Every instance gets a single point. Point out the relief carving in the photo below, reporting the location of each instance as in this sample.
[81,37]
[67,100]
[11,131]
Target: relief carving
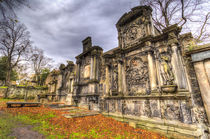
[85,69]
[166,69]
[133,31]
[137,76]
[114,78]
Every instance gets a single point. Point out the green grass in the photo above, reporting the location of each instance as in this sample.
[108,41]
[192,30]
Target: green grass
[41,124]
[7,123]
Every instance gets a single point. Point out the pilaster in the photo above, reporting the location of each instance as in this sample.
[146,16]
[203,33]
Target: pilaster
[152,68]
[176,62]
[78,71]
[152,72]
[107,80]
[178,67]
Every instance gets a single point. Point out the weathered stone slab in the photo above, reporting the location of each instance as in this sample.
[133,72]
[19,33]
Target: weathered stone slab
[200,56]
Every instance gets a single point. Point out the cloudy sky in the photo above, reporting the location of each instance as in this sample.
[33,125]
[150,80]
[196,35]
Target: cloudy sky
[59,26]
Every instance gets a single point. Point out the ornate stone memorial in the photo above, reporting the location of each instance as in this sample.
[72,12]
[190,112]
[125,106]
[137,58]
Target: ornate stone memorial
[148,78]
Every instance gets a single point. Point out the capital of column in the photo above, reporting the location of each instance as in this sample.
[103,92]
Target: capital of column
[119,61]
[172,39]
[78,62]
[95,53]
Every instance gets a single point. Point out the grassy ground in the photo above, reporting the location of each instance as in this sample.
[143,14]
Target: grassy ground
[53,125]
[6,125]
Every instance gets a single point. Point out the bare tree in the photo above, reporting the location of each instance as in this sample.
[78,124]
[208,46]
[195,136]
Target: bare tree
[14,44]
[191,15]
[39,61]
[7,7]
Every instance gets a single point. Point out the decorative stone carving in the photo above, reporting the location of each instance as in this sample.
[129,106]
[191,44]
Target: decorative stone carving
[83,89]
[133,31]
[115,78]
[85,68]
[147,109]
[170,110]
[137,76]
[87,71]
[166,69]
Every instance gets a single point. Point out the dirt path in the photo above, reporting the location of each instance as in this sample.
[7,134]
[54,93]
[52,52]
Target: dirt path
[26,132]
[18,130]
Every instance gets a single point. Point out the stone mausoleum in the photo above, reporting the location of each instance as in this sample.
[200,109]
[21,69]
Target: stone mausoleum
[156,80]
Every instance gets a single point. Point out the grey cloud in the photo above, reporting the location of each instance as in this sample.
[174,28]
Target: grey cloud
[59,26]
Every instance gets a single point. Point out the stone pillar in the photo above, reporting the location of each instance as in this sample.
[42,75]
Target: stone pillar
[71,84]
[107,80]
[124,86]
[152,72]
[78,72]
[91,67]
[94,67]
[204,84]
[178,67]
[207,67]
[120,76]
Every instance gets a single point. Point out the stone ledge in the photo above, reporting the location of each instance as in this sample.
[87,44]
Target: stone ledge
[199,48]
[166,127]
[85,95]
[180,95]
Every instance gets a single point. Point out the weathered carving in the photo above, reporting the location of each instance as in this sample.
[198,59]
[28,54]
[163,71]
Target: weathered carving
[85,68]
[114,78]
[83,89]
[166,69]
[133,31]
[87,71]
[170,110]
[137,76]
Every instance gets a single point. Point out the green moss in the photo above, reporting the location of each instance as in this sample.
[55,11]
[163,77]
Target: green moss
[21,86]
[3,87]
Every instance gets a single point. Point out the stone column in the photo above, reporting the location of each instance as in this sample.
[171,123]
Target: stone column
[94,67]
[124,86]
[120,76]
[107,80]
[78,72]
[178,68]
[152,72]
[207,68]
[71,84]
[204,85]
[91,67]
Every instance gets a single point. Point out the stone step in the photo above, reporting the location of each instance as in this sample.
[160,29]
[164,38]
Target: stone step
[79,115]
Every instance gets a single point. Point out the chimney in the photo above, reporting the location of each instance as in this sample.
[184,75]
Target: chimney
[87,43]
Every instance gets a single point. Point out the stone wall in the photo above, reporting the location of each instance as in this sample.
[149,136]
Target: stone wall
[200,59]
[20,92]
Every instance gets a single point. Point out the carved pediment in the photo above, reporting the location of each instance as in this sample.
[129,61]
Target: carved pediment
[132,26]
[133,31]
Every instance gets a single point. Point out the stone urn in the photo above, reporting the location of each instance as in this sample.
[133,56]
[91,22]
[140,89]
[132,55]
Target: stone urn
[169,88]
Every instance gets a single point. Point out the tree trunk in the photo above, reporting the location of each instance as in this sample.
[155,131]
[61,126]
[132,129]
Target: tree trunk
[8,77]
